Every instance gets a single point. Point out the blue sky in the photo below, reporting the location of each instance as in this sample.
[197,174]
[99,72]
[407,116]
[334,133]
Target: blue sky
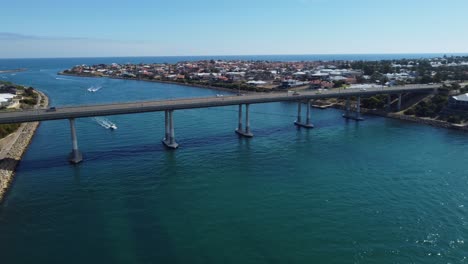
[85,28]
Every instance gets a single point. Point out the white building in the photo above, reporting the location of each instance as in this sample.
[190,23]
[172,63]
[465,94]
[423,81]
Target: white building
[6,99]
[459,102]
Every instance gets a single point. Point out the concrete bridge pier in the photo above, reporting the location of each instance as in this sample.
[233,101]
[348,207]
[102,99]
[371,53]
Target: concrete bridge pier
[347,113]
[389,102]
[357,115]
[75,156]
[239,130]
[358,110]
[399,103]
[166,126]
[169,140]
[298,121]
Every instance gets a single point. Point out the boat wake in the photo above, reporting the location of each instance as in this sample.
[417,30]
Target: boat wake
[93,89]
[105,123]
[62,79]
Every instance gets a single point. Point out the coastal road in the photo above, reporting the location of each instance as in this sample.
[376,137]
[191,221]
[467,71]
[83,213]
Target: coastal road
[190,103]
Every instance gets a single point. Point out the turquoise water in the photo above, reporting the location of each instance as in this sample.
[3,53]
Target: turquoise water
[378,191]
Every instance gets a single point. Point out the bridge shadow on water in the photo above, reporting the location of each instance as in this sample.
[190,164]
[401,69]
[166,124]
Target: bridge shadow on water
[61,160]
[216,141]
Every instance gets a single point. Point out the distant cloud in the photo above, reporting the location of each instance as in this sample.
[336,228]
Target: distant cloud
[14,45]
[16,36]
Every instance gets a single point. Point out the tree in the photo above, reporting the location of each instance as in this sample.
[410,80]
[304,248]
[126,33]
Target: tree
[426,79]
[338,84]
[456,86]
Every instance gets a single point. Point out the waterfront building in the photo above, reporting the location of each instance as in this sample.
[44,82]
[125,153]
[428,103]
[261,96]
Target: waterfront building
[257,83]
[292,83]
[6,99]
[459,102]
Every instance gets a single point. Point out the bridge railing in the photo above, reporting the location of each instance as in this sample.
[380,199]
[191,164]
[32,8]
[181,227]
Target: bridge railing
[240,98]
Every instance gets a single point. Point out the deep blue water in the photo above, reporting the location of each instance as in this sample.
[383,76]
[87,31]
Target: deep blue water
[69,62]
[378,191]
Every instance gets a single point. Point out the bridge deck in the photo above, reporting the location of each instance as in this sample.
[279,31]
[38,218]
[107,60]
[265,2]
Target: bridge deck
[162,105]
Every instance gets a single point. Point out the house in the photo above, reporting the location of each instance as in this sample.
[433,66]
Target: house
[459,102]
[292,83]
[256,83]
[6,99]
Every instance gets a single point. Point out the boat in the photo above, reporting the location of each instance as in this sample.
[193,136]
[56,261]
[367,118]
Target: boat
[105,123]
[94,89]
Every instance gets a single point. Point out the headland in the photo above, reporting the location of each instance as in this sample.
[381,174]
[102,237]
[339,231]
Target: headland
[13,70]
[14,144]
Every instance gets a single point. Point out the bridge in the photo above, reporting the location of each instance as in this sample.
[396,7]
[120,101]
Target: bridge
[169,106]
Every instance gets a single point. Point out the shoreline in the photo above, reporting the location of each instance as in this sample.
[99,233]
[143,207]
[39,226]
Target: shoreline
[401,117]
[14,70]
[13,157]
[392,115]
[160,81]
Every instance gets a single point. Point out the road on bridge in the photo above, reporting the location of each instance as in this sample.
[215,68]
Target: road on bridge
[189,103]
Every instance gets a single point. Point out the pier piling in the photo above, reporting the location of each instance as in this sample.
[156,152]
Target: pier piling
[239,130]
[399,103]
[75,156]
[357,115]
[298,121]
[169,140]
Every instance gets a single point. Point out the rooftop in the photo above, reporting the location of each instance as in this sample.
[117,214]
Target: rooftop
[461,97]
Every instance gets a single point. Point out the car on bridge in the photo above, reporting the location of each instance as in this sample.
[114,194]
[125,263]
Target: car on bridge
[51,109]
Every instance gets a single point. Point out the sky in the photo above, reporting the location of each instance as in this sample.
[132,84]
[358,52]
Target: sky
[93,28]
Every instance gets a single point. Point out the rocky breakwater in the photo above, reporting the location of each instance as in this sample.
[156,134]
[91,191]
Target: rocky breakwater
[13,155]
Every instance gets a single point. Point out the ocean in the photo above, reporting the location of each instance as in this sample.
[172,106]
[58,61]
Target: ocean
[377,191]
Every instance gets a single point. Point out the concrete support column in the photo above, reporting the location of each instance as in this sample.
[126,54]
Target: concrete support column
[348,106]
[169,141]
[239,126]
[239,130]
[299,122]
[171,126]
[247,121]
[299,114]
[166,125]
[389,102]
[75,156]
[358,108]
[399,103]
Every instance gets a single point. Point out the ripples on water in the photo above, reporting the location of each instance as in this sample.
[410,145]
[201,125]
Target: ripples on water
[379,191]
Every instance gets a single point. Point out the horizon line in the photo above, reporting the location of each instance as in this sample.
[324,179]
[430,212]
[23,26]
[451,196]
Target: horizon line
[240,55]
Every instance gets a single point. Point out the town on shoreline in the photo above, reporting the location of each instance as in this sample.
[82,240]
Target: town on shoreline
[274,76]
[448,108]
